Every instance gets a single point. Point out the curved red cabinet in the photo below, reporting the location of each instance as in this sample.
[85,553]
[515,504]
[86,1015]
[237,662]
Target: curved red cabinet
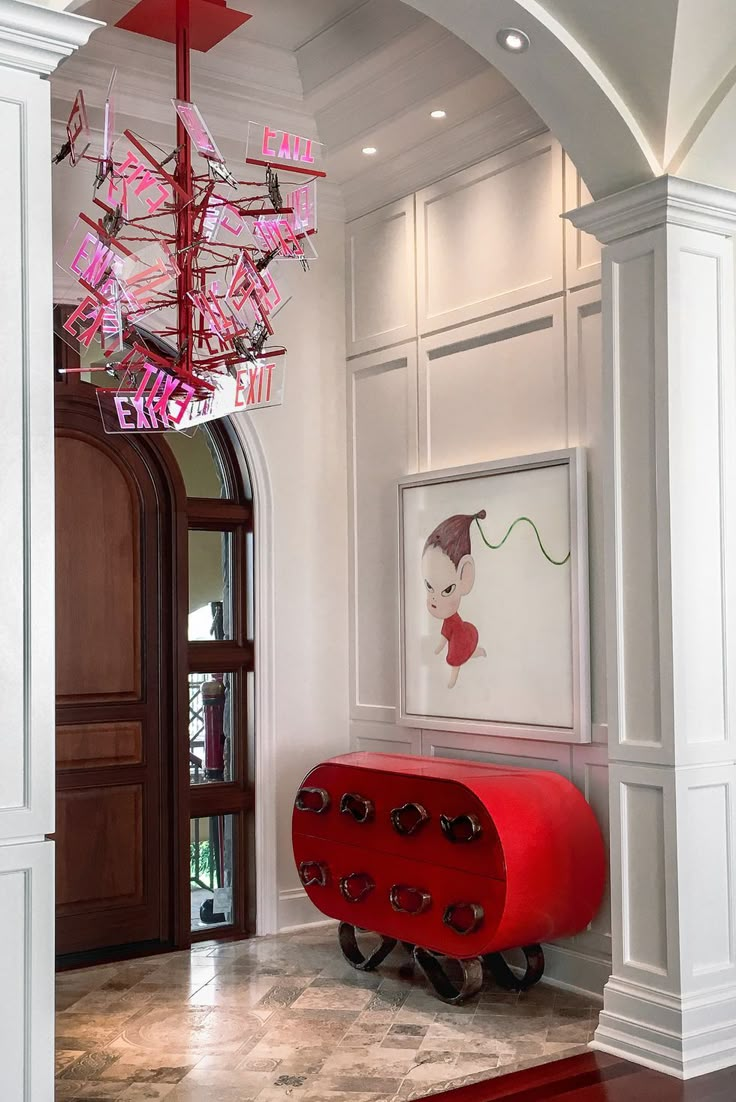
[461,858]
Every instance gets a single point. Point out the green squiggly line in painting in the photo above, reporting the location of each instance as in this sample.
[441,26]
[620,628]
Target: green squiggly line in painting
[520,520]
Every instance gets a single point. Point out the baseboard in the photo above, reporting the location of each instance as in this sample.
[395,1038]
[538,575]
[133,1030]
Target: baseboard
[571,970]
[684,1037]
[296,910]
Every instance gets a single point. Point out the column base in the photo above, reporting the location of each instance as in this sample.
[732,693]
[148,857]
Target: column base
[681,1036]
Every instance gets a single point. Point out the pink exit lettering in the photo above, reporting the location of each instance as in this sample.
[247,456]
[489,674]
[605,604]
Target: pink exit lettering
[166,394]
[77,129]
[283,146]
[277,234]
[250,383]
[197,129]
[93,260]
[133,175]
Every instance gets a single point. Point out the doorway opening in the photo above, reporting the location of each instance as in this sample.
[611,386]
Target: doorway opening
[155,686]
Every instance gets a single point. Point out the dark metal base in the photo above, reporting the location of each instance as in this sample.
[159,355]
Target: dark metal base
[452,990]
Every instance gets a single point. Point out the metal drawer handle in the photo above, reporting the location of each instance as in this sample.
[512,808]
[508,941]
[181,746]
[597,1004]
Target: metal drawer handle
[313,799]
[356,886]
[463,828]
[361,809]
[418,901]
[453,917]
[409,818]
[313,873]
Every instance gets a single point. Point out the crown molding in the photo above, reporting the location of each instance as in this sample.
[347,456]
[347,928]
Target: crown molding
[668,200]
[34,39]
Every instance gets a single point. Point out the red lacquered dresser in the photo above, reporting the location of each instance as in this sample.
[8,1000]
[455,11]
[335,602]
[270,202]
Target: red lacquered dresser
[453,858]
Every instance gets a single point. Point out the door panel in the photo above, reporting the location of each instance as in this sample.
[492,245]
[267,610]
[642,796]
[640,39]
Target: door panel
[108,871]
[96,745]
[115,676]
[98,557]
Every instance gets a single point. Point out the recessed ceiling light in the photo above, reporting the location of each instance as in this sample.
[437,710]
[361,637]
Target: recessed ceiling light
[438,114]
[370,150]
[513,40]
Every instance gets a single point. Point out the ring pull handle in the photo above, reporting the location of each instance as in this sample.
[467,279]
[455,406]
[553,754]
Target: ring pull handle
[409,901]
[360,808]
[464,918]
[463,828]
[409,818]
[312,799]
[356,886]
[313,873]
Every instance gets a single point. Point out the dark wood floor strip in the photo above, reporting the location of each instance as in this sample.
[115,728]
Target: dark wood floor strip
[596,1077]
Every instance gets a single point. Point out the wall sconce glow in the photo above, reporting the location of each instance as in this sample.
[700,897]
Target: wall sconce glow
[513,40]
[370,150]
[438,114]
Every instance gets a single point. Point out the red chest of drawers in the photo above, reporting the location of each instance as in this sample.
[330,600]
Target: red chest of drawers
[463,859]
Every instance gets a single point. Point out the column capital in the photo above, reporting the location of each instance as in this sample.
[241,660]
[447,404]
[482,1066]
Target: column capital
[34,39]
[668,200]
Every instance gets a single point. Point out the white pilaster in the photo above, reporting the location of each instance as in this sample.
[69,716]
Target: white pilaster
[670,398]
[32,42]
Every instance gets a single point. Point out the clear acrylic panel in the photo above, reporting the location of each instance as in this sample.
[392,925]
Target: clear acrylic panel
[211,743]
[210,591]
[211,867]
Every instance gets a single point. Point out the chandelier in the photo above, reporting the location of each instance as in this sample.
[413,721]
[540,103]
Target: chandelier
[179,261]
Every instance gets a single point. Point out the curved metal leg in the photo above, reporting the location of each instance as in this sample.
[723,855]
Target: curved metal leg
[352,953]
[507,979]
[472,971]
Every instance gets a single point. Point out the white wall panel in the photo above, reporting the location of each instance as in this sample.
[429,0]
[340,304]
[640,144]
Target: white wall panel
[584,366]
[382,420]
[590,774]
[26,461]
[494,389]
[555,757]
[645,945]
[381,295]
[582,251]
[385,738]
[491,238]
[27,940]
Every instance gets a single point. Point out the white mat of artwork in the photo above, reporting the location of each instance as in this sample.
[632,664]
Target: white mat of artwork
[531,615]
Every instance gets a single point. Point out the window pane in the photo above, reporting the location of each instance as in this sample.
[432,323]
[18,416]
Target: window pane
[210,599]
[211,743]
[199,463]
[211,864]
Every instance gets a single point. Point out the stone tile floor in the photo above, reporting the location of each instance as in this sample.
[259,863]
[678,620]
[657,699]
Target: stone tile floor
[285,1019]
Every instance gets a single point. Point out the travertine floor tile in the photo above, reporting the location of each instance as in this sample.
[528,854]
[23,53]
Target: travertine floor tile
[285,1019]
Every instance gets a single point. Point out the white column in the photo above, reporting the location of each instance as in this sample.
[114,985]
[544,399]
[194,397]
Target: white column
[33,40]
[670,398]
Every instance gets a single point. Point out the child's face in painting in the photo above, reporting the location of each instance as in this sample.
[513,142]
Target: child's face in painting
[443,583]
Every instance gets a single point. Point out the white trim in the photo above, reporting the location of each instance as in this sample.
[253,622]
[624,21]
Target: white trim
[267,897]
[668,200]
[35,39]
[296,911]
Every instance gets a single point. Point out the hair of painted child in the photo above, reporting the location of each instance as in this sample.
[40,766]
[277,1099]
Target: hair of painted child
[452,536]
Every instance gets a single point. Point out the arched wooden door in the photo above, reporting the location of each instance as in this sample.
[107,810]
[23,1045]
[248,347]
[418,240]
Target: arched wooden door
[116,678]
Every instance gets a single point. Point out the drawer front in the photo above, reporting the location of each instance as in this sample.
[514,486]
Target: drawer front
[402,815]
[401,898]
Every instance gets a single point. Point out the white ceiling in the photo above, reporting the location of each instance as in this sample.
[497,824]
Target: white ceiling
[352,72]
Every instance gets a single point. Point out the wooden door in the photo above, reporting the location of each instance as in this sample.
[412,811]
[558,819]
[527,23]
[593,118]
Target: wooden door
[115,685]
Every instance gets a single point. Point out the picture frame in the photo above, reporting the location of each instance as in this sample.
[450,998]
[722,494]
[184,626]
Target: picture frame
[502,545]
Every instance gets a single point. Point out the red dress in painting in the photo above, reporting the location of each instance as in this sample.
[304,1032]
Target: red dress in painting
[462,639]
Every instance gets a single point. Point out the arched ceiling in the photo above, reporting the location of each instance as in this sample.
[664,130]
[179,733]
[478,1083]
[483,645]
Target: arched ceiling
[632,88]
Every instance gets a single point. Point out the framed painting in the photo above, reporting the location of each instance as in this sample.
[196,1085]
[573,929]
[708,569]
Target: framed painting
[493,601]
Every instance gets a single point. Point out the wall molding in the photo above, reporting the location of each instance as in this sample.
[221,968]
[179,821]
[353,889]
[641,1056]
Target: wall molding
[34,39]
[267,896]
